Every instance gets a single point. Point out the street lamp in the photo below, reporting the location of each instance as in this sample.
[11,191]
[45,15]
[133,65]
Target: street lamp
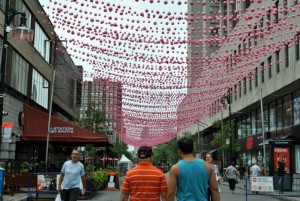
[228,99]
[20,33]
[199,123]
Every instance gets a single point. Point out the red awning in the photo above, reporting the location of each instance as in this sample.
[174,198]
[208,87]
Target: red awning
[36,127]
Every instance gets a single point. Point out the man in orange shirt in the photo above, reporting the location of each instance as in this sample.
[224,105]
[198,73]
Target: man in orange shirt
[144,182]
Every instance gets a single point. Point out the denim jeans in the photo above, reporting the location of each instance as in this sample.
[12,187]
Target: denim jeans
[71,194]
[281,183]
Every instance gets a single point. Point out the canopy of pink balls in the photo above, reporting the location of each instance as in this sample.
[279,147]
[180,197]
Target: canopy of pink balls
[149,50]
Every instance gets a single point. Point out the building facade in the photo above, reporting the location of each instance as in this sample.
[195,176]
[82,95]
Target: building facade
[41,85]
[260,47]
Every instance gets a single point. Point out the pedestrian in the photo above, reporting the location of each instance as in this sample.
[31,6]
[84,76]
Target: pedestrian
[144,182]
[242,171]
[254,172]
[72,173]
[280,175]
[190,177]
[232,175]
[208,158]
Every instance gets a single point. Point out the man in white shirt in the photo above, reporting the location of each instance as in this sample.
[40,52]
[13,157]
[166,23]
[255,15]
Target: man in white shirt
[254,172]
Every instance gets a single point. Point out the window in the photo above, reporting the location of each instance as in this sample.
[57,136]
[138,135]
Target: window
[296,106]
[258,121]
[268,22]
[21,7]
[253,122]
[272,116]
[270,66]
[244,45]
[41,42]
[239,128]
[213,9]
[235,92]
[287,111]
[247,3]
[249,42]
[250,83]
[239,49]
[240,89]
[287,58]
[278,61]
[255,34]
[234,57]
[279,115]
[285,7]
[245,85]
[40,89]
[297,47]
[262,68]
[248,125]
[256,77]
[276,12]
[244,129]
[19,73]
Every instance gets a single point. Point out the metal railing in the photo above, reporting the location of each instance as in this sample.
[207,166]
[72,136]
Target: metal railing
[274,186]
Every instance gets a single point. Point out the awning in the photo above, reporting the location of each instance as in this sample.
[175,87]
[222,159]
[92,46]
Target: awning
[36,129]
[212,151]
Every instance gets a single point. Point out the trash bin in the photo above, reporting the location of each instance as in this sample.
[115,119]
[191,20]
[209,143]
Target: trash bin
[1,182]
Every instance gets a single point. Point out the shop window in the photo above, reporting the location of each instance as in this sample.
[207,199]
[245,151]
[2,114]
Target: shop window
[287,110]
[296,106]
[244,128]
[239,128]
[253,122]
[279,115]
[258,122]
[272,116]
[248,125]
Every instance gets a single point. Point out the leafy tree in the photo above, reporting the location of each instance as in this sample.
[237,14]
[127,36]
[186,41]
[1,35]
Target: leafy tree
[166,153]
[95,120]
[220,139]
[119,149]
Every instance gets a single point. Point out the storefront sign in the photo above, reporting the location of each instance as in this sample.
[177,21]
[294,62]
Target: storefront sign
[61,130]
[6,132]
[262,184]
[249,144]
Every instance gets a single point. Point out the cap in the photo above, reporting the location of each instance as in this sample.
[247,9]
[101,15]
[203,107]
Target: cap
[145,152]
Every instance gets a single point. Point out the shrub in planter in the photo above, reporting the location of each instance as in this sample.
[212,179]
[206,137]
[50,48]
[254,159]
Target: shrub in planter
[99,179]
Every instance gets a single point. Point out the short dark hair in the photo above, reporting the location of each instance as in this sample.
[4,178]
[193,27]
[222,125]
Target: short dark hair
[186,145]
[145,152]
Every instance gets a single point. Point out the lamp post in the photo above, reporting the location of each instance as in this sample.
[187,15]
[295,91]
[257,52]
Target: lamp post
[199,123]
[20,33]
[228,99]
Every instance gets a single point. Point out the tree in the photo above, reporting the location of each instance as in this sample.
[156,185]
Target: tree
[96,120]
[220,139]
[166,153]
[119,149]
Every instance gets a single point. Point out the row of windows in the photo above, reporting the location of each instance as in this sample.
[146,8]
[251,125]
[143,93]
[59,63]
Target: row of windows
[281,113]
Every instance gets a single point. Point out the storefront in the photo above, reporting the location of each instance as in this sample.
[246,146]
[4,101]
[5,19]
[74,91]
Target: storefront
[63,137]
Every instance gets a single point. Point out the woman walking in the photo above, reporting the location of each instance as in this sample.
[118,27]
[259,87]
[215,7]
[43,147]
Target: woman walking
[208,158]
[232,174]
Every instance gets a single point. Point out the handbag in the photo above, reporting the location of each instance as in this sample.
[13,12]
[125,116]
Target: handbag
[58,198]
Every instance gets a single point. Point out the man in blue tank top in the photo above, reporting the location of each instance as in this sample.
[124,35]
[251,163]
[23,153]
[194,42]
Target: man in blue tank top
[190,177]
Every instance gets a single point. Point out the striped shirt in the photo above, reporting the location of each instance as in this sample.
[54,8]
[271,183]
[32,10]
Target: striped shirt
[144,182]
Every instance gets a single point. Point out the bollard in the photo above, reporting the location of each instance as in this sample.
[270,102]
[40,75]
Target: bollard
[1,183]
